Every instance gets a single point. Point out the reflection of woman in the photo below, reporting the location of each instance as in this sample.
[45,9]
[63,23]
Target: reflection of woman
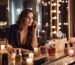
[23,33]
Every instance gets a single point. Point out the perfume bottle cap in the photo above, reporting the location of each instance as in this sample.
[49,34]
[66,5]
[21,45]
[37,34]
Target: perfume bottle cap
[18,51]
[66,45]
[71,45]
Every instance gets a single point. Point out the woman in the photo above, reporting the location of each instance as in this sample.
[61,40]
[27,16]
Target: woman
[23,33]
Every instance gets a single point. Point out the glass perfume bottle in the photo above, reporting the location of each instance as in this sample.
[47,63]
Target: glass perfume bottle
[71,49]
[5,59]
[66,49]
[18,57]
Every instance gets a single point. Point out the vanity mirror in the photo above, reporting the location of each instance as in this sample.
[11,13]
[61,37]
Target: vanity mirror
[52,15]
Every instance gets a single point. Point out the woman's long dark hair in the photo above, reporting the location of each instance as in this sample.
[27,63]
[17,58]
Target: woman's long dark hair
[22,17]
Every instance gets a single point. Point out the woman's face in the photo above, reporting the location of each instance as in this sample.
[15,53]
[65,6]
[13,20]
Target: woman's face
[29,19]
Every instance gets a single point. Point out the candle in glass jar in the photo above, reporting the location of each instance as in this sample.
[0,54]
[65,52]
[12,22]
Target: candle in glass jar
[29,61]
[31,55]
[2,48]
[71,52]
[36,49]
[12,59]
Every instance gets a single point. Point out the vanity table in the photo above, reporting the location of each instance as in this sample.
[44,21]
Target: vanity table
[62,61]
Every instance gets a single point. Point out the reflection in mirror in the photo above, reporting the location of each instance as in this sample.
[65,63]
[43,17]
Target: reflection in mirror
[53,17]
[16,6]
[44,15]
[3,12]
[3,18]
[63,17]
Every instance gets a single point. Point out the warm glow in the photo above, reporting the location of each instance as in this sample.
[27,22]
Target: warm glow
[65,23]
[2,47]
[36,49]
[29,61]
[54,4]
[59,28]
[49,2]
[59,12]
[54,32]
[53,26]
[53,11]
[62,1]
[59,23]
[71,52]
[54,17]
[45,4]
[31,55]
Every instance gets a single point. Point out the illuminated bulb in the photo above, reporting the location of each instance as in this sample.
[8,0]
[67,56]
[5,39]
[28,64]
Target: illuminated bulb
[59,28]
[54,32]
[65,23]
[66,1]
[43,30]
[53,27]
[54,4]
[54,17]
[49,2]
[53,11]
[59,5]
[45,4]
[62,1]
[59,23]
[58,11]
[42,2]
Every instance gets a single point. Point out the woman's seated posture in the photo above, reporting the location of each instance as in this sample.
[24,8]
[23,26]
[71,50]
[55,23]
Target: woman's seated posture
[23,33]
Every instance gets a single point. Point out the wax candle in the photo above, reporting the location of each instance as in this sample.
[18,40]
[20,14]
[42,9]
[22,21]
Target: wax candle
[2,47]
[31,55]
[12,59]
[71,52]
[36,49]
[29,61]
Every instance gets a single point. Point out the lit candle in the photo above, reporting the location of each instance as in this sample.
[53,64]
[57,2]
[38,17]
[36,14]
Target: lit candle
[71,52]
[31,55]
[29,61]
[13,55]
[36,49]
[2,48]
[12,59]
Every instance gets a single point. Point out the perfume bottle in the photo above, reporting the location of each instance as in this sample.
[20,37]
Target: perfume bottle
[66,49]
[18,57]
[71,50]
[5,59]
[51,50]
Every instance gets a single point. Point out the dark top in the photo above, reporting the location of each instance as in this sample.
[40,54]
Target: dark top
[14,38]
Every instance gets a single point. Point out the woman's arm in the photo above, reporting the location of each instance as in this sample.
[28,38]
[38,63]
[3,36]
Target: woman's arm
[34,36]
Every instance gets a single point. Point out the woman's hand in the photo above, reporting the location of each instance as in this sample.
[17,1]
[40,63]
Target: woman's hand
[34,26]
